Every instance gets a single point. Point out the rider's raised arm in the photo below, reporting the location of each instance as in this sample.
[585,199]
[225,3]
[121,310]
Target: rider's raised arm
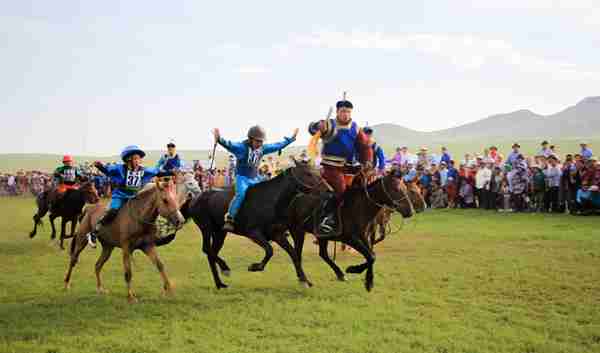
[152,172]
[278,146]
[325,127]
[233,147]
[380,158]
[101,167]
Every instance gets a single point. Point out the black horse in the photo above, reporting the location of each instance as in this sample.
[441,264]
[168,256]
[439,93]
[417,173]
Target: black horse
[69,208]
[265,205]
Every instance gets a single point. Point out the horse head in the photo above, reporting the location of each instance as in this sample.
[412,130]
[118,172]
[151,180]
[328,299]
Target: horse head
[168,203]
[89,192]
[395,193]
[414,193]
[307,178]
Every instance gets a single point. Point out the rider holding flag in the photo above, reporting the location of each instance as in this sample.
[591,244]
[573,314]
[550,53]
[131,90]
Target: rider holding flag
[342,139]
[127,179]
[249,154]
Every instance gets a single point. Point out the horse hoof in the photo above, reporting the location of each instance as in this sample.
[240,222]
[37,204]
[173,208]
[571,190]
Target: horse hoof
[306,284]
[352,269]
[31,235]
[341,279]
[226,273]
[102,291]
[255,268]
[368,286]
[132,299]
[67,286]
[222,286]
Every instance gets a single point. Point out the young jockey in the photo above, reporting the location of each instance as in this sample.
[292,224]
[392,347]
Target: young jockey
[249,154]
[66,178]
[342,138]
[170,161]
[128,179]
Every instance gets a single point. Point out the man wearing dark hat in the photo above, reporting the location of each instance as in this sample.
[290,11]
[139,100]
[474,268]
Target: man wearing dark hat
[342,140]
[170,161]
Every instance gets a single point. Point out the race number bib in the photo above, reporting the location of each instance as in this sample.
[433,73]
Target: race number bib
[69,175]
[134,179]
[254,157]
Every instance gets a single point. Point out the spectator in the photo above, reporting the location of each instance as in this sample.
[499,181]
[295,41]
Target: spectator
[538,188]
[553,175]
[586,152]
[545,151]
[446,158]
[512,157]
[439,199]
[482,182]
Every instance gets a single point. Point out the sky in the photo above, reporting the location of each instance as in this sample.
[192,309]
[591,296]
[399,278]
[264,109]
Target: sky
[89,77]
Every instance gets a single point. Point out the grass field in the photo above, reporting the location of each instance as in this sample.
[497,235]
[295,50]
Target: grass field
[450,281]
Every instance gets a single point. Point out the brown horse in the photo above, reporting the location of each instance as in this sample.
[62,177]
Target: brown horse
[68,209]
[381,222]
[133,228]
[360,207]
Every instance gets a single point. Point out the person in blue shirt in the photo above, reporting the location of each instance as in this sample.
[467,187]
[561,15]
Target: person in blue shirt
[446,158]
[378,155]
[514,155]
[127,179]
[170,161]
[586,152]
[248,153]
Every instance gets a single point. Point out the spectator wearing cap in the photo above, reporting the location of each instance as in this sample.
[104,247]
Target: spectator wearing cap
[512,157]
[423,158]
[446,157]
[586,152]
[545,151]
[553,175]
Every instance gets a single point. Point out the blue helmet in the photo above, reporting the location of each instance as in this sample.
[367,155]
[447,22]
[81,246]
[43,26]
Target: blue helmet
[131,150]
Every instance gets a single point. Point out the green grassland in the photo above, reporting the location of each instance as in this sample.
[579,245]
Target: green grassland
[449,281]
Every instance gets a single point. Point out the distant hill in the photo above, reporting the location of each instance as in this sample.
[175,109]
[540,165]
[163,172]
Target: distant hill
[580,120]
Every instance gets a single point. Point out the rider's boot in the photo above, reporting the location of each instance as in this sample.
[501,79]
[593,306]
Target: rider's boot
[108,217]
[328,224]
[229,225]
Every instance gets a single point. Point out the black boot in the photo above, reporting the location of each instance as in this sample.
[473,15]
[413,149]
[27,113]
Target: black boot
[328,223]
[108,217]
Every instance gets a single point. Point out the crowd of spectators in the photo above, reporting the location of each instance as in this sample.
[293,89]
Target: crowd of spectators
[544,182]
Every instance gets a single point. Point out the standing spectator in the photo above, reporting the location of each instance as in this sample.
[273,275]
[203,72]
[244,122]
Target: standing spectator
[423,158]
[452,185]
[512,157]
[553,175]
[399,157]
[505,196]
[446,158]
[519,184]
[439,199]
[545,151]
[443,173]
[12,185]
[494,156]
[586,152]
[588,196]
[468,162]
[538,188]
[495,186]
[425,181]
[465,194]
[482,182]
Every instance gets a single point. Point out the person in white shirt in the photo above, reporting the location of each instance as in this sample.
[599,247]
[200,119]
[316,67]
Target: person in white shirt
[482,184]
[553,175]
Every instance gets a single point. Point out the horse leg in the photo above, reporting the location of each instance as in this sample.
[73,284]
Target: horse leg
[324,254]
[207,248]
[150,251]
[260,239]
[63,229]
[363,249]
[127,269]
[77,245]
[217,244]
[52,218]
[106,252]
[282,241]
[37,220]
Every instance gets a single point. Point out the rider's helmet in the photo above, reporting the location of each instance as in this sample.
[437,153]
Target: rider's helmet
[67,158]
[257,133]
[130,151]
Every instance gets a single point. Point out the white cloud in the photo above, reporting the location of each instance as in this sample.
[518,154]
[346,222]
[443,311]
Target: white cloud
[466,51]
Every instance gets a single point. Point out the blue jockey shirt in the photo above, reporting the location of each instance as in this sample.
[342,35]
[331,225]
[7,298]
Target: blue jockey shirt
[127,182]
[167,163]
[248,160]
[340,147]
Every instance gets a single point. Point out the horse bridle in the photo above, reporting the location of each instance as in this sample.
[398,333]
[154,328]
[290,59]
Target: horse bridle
[307,187]
[393,201]
[144,222]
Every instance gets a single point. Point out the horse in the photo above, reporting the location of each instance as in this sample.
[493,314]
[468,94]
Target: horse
[265,205]
[69,208]
[133,228]
[359,208]
[383,218]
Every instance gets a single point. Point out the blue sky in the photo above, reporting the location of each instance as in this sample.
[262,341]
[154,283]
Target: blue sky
[91,77]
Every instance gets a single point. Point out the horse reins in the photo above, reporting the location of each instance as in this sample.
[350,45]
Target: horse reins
[394,202]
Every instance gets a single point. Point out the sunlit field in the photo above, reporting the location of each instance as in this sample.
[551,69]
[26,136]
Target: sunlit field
[447,281]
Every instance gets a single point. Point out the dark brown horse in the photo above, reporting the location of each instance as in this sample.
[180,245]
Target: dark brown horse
[133,228]
[360,207]
[68,208]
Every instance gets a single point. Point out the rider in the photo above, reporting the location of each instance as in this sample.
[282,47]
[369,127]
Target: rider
[249,154]
[170,161]
[127,179]
[378,155]
[66,177]
[342,138]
